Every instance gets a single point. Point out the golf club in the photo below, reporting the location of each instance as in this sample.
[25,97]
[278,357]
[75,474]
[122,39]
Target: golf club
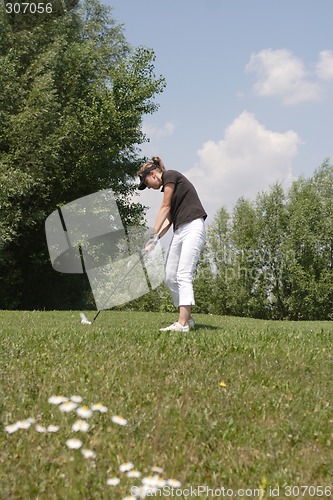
[150,245]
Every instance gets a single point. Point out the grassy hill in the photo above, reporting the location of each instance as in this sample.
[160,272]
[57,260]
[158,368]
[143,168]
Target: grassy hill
[237,403]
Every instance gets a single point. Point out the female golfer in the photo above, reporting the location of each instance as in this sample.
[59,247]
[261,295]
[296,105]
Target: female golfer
[182,208]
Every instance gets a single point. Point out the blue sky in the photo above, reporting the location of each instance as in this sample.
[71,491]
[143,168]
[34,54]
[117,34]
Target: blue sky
[249,91]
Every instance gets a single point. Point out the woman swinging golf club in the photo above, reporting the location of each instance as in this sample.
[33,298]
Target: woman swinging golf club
[181,207]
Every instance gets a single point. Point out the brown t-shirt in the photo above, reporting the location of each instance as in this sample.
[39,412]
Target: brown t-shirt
[185,204]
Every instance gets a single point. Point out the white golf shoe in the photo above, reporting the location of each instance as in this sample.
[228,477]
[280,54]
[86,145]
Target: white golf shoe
[176,327]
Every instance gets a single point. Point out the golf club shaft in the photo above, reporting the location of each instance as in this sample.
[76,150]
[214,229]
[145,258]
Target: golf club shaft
[118,284]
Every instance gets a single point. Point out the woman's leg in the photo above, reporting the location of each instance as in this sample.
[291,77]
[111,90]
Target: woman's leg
[183,256]
[171,268]
[184,314]
[193,239]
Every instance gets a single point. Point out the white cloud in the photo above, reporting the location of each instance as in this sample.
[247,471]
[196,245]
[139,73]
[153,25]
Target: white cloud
[249,159]
[283,75]
[155,133]
[324,67]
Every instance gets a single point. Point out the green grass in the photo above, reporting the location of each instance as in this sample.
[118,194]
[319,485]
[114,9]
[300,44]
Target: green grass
[271,425]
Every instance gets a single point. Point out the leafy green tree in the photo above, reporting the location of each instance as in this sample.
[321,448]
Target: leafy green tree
[213,269]
[311,239]
[273,258]
[243,273]
[204,284]
[272,220]
[72,97]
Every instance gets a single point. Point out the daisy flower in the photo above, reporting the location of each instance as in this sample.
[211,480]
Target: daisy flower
[67,406]
[113,481]
[174,483]
[11,428]
[74,443]
[153,481]
[57,400]
[80,425]
[52,428]
[158,470]
[125,467]
[84,412]
[118,419]
[76,399]
[99,407]
[88,453]
[23,424]
[40,428]
[160,482]
[133,473]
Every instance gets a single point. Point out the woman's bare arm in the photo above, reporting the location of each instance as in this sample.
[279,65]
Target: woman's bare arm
[165,210]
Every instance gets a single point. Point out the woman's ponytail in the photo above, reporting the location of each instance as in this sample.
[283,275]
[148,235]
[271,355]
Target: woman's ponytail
[158,162]
[155,161]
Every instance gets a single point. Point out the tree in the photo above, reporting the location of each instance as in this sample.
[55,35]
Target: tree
[272,253]
[72,97]
[311,240]
[218,243]
[204,284]
[273,258]
[244,237]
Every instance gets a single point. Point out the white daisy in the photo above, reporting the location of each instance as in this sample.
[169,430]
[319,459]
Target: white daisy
[99,407]
[84,412]
[174,483]
[113,481]
[125,467]
[74,443]
[52,428]
[149,480]
[40,428]
[130,497]
[80,425]
[133,473]
[118,419]
[158,470]
[76,399]
[23,424]
[11,428]
[88,453]
[160,482]
[57,400]
[67,406]
[153,481]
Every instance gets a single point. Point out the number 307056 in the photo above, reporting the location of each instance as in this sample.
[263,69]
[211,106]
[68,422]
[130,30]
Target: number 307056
[28,8]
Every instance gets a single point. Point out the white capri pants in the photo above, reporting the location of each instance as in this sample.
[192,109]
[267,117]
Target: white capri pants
[183,255]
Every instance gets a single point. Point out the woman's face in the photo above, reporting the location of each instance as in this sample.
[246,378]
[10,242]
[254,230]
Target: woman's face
[153,180]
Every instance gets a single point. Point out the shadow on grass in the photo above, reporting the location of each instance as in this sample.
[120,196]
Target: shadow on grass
[203,326]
